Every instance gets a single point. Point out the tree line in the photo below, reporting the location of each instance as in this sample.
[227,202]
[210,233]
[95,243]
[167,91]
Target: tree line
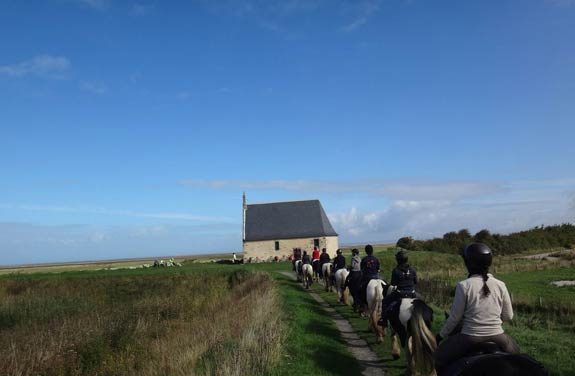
[540,237]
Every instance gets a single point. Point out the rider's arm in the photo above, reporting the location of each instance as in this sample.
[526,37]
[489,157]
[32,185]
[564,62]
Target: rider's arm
[414,276]
[456,313]
[506,307]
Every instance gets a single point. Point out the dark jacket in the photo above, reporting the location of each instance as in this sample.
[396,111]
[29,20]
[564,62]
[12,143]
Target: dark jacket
[323,258]
[338,262]
[404,277]
[370,267]
[306,260]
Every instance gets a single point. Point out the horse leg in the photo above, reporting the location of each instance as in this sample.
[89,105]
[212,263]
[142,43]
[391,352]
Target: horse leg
[395,349]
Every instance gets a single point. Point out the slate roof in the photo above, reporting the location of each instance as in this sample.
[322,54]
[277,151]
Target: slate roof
[287,220]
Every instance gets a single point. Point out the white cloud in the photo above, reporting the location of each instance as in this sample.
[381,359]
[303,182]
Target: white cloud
[140,9]
[95,87]
[116,212]
[426,219]
[561,3]
[365,11]
[30,243]
[387,188]
[94,4]
[44,66]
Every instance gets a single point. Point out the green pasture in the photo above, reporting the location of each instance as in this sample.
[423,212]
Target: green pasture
[543,325]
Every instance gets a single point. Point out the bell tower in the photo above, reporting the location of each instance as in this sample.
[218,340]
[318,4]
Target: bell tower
[244,209]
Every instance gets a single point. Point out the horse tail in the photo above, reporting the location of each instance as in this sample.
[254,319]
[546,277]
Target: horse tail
[375,311]
[423,340]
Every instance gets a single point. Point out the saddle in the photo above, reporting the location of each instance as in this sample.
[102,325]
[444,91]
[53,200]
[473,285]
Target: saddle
[484,348]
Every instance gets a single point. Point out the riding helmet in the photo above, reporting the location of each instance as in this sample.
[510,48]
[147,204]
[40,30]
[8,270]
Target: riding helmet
[477,256]
[355,251]
[338,252]
[401,257]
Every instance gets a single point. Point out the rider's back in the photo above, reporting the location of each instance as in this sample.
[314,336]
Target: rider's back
[370,266]
[482,315]
[404,277]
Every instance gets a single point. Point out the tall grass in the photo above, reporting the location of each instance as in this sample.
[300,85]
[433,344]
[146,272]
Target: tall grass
[178,324]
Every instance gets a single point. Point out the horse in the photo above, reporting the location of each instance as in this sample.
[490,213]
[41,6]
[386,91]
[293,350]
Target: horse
[487,358]
[326,272]
[342,292]
[307,272]
[411,321]
[315,265]
[374,295]
[298,271]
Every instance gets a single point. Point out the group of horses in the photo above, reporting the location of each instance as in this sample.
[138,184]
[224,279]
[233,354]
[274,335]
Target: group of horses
[411,327]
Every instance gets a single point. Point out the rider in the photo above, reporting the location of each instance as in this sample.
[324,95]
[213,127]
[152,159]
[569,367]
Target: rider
[404,278]
[353,280]
[369,270]
[482,303]
[338,263]
[304,260]
[323,259]
[315,260]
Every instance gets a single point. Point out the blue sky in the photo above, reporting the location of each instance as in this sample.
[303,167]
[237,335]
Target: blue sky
[131,128]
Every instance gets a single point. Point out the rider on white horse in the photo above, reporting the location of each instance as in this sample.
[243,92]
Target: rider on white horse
[338,263]
[482,303]
[404,278]
[323,259]
[369,270]
[305,260]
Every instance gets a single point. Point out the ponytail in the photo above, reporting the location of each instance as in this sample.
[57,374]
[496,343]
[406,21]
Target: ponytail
[483,273]
[485,288]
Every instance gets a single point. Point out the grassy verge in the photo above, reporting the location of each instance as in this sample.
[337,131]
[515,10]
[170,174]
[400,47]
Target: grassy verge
[313,345]
[220,322]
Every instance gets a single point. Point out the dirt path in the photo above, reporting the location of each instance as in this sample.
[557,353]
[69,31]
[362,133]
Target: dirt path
[367,359]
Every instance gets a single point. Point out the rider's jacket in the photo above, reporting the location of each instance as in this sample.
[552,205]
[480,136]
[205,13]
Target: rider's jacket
[324,258]
[370,267]
[305,260]
[356,264]
[405,278]
[481,315]
[338,262]
[315,255]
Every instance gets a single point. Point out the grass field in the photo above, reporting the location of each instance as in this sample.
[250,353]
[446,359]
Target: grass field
[168,322]
[210,319]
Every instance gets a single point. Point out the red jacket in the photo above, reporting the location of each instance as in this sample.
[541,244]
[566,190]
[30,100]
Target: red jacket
[315,254]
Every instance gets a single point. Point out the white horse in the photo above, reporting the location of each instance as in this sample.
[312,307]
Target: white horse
[412,324]
[342,292]
[374,295]
[326,272]
[307,271]
[297,271]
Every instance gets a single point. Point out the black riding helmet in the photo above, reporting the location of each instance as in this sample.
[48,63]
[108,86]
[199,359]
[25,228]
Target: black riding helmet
[338,252]
[478,257]
[401,257]
[355,251]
